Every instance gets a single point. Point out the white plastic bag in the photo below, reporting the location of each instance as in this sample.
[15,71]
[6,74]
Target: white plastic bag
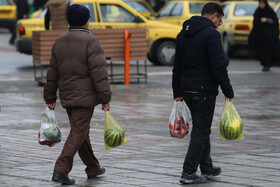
[179,120]
[49,133]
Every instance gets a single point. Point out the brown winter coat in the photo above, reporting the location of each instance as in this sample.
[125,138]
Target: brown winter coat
[78,70]
[58,12]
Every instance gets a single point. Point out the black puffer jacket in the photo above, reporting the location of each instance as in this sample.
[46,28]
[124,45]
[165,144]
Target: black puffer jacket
[200,62]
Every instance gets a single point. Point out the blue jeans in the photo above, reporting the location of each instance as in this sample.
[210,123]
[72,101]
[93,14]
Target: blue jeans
[202,108]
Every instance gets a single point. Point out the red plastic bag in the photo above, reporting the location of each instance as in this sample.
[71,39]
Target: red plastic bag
[179,120]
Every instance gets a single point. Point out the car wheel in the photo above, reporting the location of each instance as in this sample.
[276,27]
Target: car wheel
[165,53]
[226,46]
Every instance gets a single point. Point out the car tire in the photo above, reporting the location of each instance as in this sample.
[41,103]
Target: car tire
[165,53]
[226,46]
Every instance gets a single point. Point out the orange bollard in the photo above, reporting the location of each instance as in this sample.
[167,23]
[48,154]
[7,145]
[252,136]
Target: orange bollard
[127,36]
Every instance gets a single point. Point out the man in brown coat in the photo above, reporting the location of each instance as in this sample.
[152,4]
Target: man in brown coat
[57,13]
[78,70]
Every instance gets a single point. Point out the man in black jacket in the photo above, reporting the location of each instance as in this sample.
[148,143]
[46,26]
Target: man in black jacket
[200,67]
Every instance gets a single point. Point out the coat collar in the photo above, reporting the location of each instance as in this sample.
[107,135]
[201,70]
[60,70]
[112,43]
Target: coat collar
[78,28]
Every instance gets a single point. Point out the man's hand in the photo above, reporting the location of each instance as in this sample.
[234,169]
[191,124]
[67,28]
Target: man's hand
[179,99]
[51,106]
[227,99]
[106,107]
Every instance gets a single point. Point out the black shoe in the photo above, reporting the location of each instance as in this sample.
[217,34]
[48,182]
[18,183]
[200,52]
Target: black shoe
[59,177]
[101,172]
[266,69]
[193,178]
[11,42]
[215,171]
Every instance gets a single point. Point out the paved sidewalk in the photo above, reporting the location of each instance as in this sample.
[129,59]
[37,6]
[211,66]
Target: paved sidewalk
[151,157]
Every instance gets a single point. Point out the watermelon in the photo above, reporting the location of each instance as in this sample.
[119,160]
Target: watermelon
[231,128]
[114,136]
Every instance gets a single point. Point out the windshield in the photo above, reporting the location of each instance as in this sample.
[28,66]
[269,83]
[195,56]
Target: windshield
[138,6]
[196,8]
[43,13]
[5,2]
[245,9]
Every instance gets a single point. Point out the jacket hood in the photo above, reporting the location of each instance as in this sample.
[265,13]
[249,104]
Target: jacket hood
[195,24]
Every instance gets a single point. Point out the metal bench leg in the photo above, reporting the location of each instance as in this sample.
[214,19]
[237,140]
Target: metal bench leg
[146,74]
[137,67]
[34,68]
[112,76]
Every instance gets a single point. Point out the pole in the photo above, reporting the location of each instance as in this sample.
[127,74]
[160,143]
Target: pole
[127,36]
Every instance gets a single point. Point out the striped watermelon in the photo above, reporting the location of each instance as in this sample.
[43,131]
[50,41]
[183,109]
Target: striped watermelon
[114,136]
[231,128]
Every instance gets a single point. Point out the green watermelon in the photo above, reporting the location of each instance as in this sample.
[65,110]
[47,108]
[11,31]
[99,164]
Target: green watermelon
[231,128]
[114,136]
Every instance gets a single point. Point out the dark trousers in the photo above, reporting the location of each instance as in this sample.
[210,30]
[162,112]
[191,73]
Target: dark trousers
[202,108]
[265,51]
[78,141]
[13,35]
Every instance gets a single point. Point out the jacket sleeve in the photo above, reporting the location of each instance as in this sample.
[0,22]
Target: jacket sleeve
[176,72]
[218,63]
[52,81]
[98,71]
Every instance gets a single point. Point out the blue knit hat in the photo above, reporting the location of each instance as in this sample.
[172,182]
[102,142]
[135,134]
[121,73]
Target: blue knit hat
[78,15]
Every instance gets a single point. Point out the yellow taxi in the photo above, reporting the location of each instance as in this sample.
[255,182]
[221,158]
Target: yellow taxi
[237,24]
[7,14]
[112,14]
[178,11]
[142,7]
[277,10]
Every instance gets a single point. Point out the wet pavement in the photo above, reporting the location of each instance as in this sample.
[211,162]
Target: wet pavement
[151,157]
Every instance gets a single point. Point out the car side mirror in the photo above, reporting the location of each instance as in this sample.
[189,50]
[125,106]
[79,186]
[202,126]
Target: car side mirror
[138,20]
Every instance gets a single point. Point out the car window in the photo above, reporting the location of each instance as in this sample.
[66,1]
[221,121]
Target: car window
[245,9]
[177,10]
[43,13]
[115,13]
[196,8]
[5,2]
[225,10]
[166,10]
[91,10]
[138,6]
[89,6]
[278,13]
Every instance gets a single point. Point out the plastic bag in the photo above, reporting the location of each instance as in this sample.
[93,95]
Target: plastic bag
[114,135]
[231,125]
[49,133]
[179,120]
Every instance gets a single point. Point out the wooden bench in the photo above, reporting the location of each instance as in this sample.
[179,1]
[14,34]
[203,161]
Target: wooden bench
[113,44]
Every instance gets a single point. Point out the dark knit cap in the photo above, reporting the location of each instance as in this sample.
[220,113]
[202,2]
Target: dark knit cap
[78,15]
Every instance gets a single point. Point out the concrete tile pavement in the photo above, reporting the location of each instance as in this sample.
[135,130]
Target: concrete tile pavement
[151,157]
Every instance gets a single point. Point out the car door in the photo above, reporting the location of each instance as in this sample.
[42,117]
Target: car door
[94,20]
[117,16]
[7,10]
[277,10]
